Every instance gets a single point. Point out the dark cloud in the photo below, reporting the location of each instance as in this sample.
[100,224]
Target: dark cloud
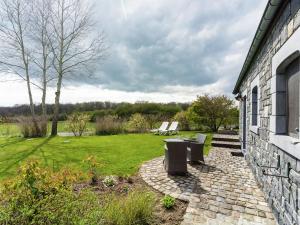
[161,43]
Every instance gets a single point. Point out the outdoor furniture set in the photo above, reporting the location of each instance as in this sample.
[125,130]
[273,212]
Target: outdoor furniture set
[179,151]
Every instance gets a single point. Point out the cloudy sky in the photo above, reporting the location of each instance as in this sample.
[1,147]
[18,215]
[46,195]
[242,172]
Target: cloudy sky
[162,50]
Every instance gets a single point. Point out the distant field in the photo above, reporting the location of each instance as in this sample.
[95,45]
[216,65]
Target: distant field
[12,129]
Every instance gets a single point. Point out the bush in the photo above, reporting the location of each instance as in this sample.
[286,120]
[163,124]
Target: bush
[67,207]
[100,113]
[168,202]
[33,127]
[155,121]
[211,111]
[77,123]
[109,125]
[92,164]
[137,124]
[40,196]
[61,117]
[136,208]
[183,120]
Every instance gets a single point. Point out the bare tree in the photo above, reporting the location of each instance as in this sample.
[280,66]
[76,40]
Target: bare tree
[76,47]
[42,54]
[15,53]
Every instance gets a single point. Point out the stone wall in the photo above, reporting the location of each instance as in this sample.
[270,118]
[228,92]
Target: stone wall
[283,194]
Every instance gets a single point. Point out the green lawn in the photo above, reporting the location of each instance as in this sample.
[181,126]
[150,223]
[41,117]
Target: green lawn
[12,129]
[9,129]
[119,154]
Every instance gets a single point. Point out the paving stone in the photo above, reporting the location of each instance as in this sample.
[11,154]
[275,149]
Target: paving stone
[223,191]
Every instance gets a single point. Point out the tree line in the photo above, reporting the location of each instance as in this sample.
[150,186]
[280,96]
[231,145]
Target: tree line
[207,111]
[124,110]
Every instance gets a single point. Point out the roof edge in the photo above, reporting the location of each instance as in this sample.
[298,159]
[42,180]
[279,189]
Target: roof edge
[264,24]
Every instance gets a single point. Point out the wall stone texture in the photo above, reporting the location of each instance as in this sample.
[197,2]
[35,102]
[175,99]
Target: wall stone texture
[282,193]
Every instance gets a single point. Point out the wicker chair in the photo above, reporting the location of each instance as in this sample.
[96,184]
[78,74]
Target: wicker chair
[195,149]
[176,157]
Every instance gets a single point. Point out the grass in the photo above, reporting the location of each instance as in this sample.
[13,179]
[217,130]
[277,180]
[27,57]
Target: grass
[12,129]
[9,129]
[118,154]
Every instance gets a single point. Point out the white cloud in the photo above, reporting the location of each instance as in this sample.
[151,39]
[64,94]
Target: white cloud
[162,50]
[16,93]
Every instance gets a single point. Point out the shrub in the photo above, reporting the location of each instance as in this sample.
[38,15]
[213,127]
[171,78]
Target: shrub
[109,181]
[77,123]
[61,117]
[92,164]
[108,125]
[168,202]
[135,208]
[100,113]
[211,111]
[67,207]
[40,196]
[33,127]
[183,120]
[137,124]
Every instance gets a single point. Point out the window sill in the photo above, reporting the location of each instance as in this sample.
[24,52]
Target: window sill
[254,129]
[286,143]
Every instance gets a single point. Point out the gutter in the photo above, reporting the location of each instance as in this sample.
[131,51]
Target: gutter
[264,24]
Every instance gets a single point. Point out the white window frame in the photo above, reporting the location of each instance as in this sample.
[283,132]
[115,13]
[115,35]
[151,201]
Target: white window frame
[277,122]
[254,83]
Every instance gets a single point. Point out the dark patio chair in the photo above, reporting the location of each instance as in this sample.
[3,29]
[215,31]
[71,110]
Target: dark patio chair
[195,149]
[175,162]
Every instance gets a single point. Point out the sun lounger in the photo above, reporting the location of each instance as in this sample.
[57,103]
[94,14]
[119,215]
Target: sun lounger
[162,128]
[173,129]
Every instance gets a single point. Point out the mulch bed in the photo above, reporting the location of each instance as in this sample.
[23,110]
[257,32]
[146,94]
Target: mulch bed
[162,216]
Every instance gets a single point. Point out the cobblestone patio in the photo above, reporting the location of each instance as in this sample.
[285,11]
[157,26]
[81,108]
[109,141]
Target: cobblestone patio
[223,191]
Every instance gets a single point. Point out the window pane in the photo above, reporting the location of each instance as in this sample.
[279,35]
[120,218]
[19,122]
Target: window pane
[293,98]
[254,106]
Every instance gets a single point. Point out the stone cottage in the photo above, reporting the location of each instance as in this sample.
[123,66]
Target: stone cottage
[268,91]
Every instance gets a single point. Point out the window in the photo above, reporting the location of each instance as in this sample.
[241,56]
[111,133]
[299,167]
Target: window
[254,106]
[254,103]
[292,91]
[284,90]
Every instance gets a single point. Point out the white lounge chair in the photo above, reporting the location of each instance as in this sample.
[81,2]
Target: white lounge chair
[163,128]
[173,129]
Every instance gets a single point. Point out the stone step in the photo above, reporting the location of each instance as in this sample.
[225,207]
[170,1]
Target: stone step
[237,153]
[226,138]
[226,144]
[228,132]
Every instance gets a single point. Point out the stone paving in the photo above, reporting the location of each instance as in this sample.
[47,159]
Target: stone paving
[221,191]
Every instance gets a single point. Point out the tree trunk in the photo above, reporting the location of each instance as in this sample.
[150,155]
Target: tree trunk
[56,108]
[44,107]
[59,74]
[31,104]
[32,110]
[45,60]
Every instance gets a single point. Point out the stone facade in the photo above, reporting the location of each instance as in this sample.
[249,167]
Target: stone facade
[283,194]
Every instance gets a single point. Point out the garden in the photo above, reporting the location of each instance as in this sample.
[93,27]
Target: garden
[83,180]
[88,173]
